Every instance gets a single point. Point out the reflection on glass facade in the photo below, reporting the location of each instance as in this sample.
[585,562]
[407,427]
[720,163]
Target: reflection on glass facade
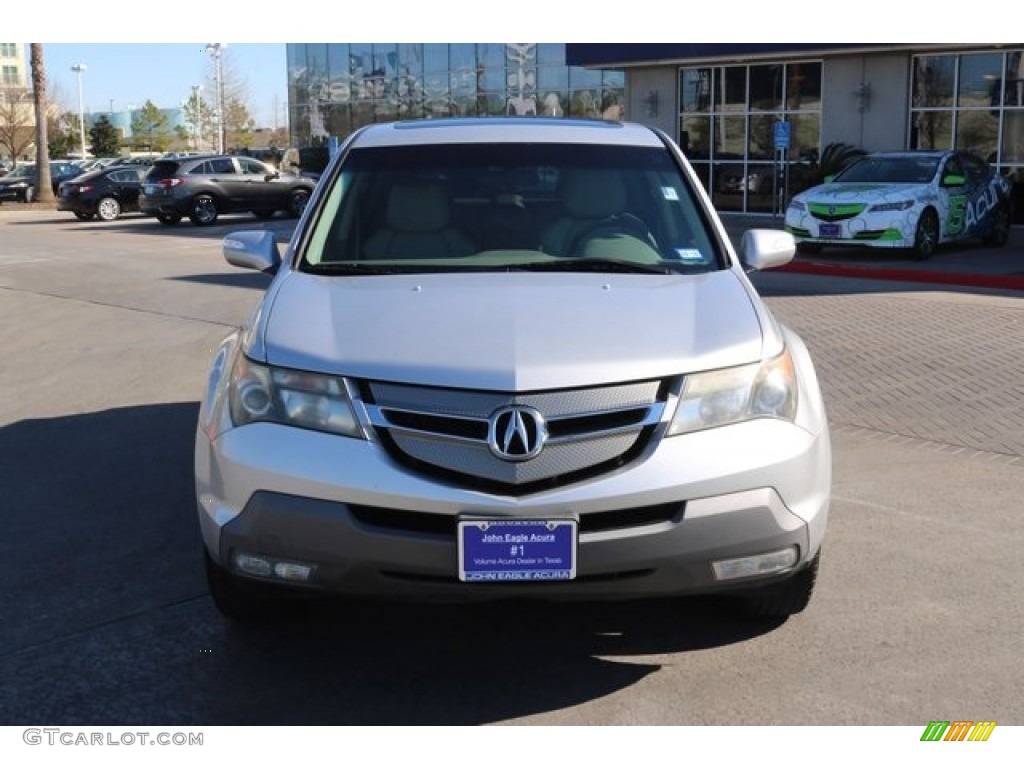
[727,123]
[973,101]
[334,88]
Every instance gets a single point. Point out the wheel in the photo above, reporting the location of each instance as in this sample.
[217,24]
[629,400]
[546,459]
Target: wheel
[809,248]
[108,209]
[168,218]
[781,600]
[204,211]
[263,215]
[83,216]
[1000,231]
[246,601]
[297,202]
[926,238]
[30,194]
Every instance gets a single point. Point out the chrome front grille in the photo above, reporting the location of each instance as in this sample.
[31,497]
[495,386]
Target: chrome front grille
[451,432]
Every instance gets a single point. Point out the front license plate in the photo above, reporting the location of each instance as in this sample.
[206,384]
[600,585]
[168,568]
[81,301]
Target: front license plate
[150,189]
[828,230]
[517,550]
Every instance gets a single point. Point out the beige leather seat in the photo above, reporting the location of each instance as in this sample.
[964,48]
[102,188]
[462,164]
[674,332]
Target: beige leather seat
[591,199]
[418,225]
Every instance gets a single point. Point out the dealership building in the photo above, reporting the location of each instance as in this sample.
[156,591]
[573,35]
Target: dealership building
[749,116]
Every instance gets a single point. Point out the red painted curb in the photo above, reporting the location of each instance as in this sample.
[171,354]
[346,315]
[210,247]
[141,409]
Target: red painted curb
[1009,282]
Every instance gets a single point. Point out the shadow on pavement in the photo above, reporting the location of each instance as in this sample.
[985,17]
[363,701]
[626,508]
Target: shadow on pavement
[106,617]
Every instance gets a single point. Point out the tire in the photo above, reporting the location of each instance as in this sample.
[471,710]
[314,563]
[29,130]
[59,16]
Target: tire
[926,236]
[108,209]
[83,216]
[784,599]
[245,601]
[204,211]
[263,215]
[297,202]
[1000,232]
[170,219]
[30,194]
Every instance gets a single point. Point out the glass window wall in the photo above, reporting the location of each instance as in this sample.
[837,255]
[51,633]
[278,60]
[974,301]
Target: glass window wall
[727,127]
[336,88]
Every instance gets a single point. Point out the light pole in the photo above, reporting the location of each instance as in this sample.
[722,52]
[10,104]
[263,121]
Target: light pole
[79,69]
[197,104]
[217,49]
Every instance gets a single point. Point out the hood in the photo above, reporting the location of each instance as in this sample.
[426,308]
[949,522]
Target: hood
[511,331]
[837,193]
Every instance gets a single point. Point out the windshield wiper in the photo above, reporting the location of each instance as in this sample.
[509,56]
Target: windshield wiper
[351,268]
[595,265]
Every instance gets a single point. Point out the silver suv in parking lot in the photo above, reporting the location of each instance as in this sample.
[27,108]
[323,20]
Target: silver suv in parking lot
[511,358]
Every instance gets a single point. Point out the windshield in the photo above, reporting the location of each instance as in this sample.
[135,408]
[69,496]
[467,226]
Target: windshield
[508,206]
[21,172]
[898,170]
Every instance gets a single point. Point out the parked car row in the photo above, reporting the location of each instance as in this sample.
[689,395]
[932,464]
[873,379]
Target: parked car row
[200,187]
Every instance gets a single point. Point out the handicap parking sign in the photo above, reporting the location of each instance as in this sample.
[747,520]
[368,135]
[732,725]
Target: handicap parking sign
[782,134]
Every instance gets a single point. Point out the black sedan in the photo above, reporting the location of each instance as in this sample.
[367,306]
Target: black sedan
[21,183]
[106,193]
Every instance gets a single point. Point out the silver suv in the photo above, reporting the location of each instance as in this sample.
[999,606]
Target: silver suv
[511,358]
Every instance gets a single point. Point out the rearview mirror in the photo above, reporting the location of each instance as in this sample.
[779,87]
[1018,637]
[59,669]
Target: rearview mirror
[766,248]
[252,249]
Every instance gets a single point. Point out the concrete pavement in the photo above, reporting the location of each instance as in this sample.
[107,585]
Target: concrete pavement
[967,264]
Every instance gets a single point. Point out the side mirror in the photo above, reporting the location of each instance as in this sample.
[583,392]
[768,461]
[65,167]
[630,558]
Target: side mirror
[766,248]
[271,176]
[252,249]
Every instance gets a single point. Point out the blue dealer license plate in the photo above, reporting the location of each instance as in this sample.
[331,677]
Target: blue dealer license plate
[517,550]
[828,230]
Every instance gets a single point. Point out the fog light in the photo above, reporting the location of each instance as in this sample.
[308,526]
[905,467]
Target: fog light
[293,571]
[755,565]
[254,565]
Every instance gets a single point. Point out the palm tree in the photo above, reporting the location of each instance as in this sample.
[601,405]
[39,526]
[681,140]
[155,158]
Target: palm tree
[44,187]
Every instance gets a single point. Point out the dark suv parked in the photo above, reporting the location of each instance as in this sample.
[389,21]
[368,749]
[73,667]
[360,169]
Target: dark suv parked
[204,187]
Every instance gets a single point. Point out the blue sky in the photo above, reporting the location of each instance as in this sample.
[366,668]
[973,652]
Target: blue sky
[164,73]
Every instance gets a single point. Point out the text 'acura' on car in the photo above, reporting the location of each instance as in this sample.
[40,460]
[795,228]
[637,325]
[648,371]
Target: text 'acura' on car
[511,358]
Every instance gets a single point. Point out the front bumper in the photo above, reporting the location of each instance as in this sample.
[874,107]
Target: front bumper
[372,528]
[889,230]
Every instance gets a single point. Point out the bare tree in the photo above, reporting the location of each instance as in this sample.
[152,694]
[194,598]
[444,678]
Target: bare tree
[44,186]
[233,89]
[16,133]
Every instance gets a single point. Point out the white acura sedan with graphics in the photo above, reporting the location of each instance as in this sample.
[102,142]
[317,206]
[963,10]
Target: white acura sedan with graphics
[912,200]
[511,358]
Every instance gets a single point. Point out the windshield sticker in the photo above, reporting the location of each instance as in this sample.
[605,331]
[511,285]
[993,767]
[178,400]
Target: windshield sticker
[689,255]
[670,193]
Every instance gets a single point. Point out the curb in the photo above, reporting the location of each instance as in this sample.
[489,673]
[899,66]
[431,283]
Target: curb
[1006,282]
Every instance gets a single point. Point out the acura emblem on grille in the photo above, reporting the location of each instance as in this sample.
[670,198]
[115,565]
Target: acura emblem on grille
[516,433]
[831,210]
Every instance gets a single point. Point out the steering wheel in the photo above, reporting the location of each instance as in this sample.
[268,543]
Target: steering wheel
[619,224]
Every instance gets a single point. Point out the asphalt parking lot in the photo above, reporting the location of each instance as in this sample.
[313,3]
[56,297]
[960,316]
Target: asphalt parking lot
[107,331]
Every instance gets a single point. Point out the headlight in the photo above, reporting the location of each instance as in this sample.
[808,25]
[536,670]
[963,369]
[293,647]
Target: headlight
[19,185]
[796,205]
[730,395]
[902,205]
[300,399]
